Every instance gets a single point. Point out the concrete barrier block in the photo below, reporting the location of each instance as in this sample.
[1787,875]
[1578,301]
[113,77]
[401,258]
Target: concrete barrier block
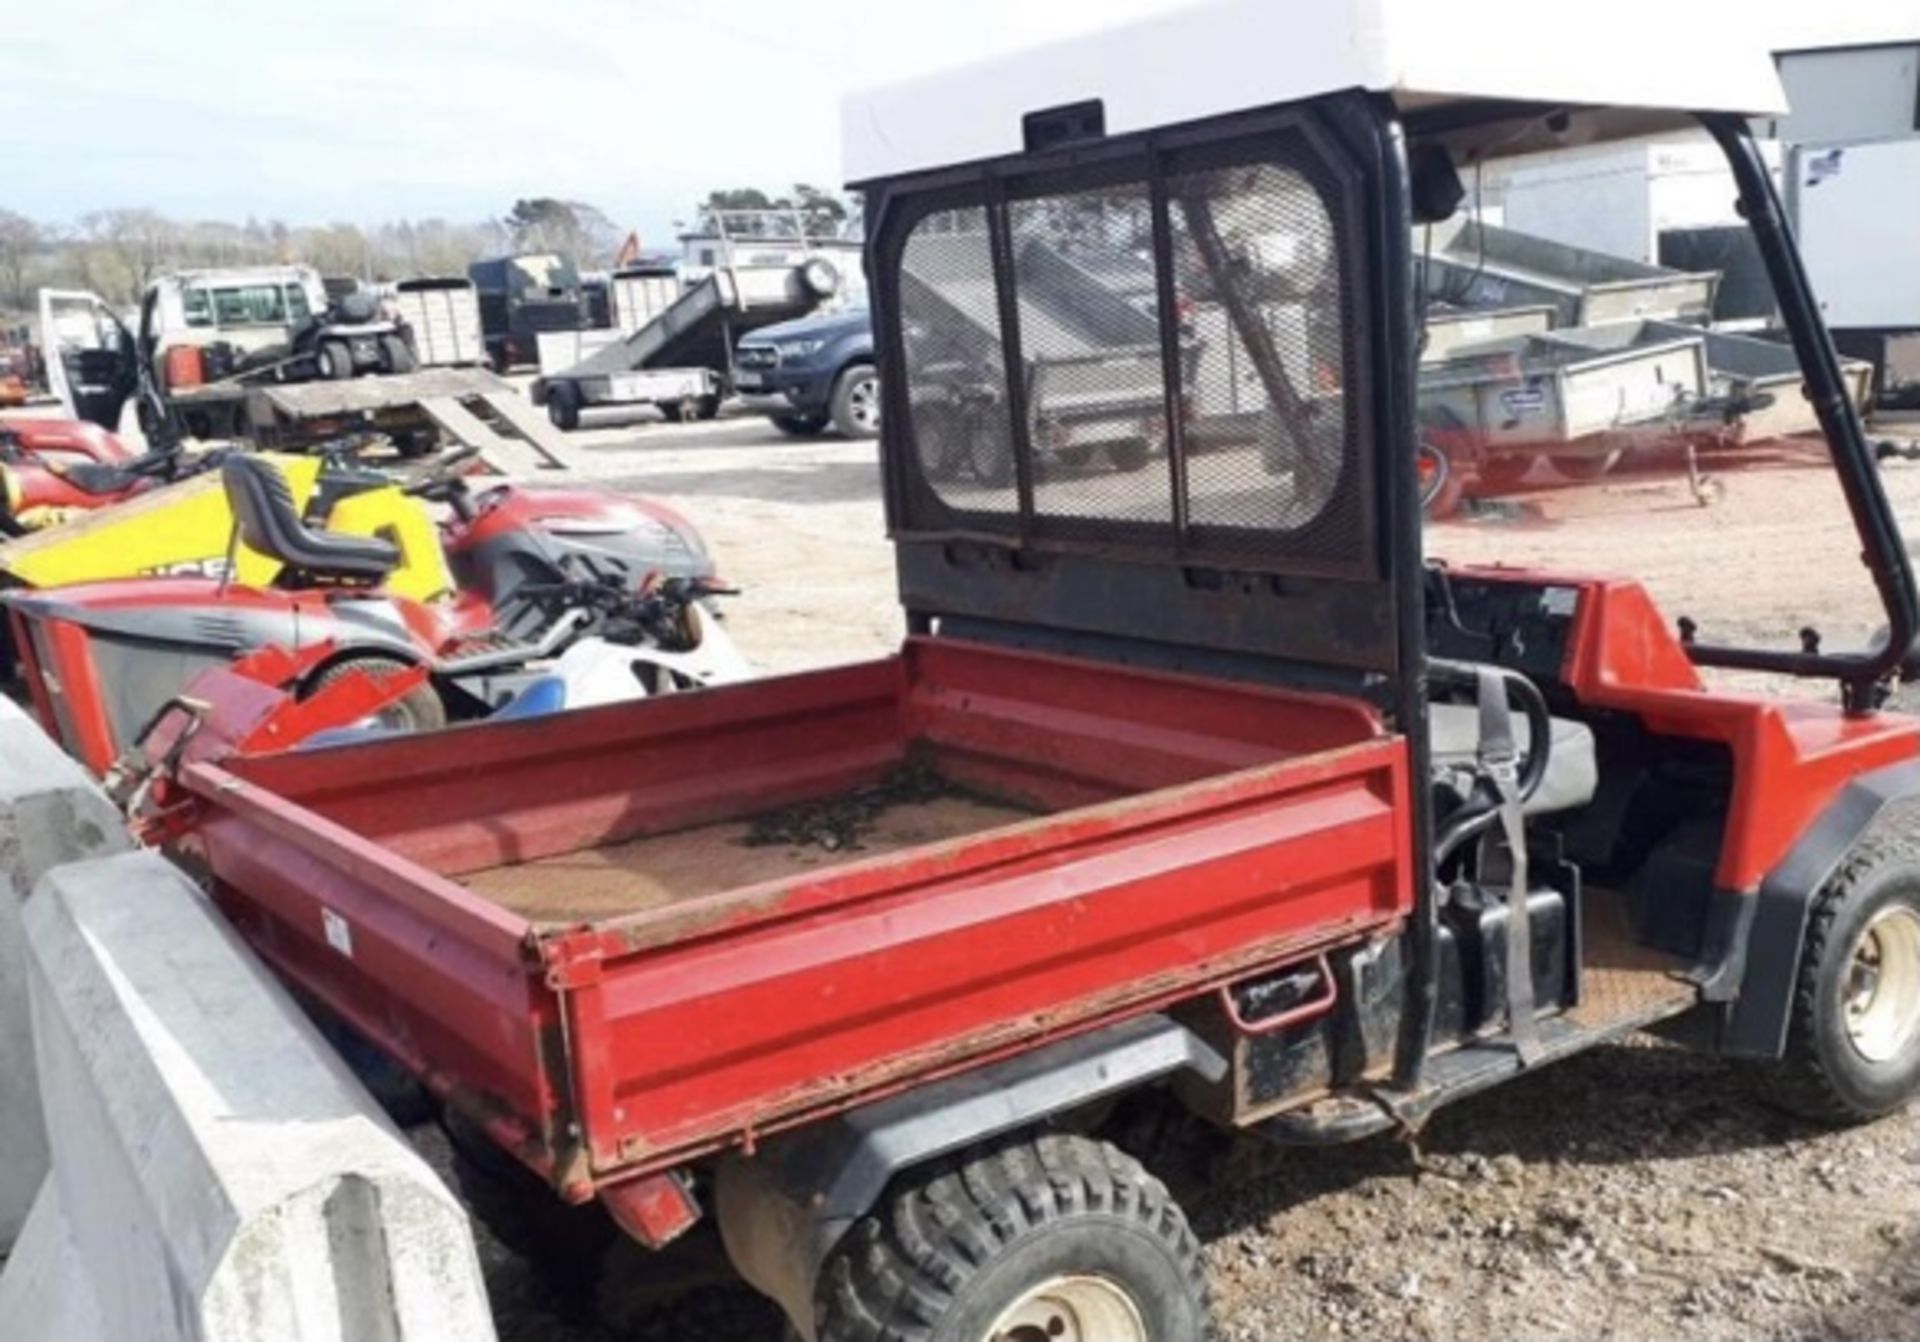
[51,811]
[46,1294]
[223,1176]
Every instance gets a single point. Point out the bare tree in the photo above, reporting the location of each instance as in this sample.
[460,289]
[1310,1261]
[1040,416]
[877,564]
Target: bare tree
[20,242]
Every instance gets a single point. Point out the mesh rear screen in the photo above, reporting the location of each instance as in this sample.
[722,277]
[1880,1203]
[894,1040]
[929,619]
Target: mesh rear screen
[956,363]
[1090,339]
[1256,262]
[1250,457]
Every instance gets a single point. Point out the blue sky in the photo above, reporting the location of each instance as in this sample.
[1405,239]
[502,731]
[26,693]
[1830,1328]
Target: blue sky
[360,110]
[317,110]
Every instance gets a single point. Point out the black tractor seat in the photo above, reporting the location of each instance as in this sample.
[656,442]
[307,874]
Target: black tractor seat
[99,477]
[268,523]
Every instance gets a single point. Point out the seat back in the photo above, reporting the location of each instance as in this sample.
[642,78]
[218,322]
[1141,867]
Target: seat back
[267,522]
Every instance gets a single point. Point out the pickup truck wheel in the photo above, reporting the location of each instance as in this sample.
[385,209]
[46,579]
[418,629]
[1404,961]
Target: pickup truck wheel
[1047,1239]
[420,709]
[800,426]
[1853,1048]
[676,412]
[856,402]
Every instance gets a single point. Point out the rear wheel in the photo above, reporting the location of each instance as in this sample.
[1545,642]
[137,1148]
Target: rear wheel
[396,355]
[800,426]
[1050,1239]
[677,412]
[1131,455]
[856,402]
[1853,1049]
[418,710]
[563,406]
[335,359]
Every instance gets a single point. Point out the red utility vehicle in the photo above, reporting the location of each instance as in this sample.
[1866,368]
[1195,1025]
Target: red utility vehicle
[1194,789]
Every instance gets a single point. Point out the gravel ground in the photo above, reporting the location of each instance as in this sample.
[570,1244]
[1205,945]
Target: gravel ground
[1634,1192]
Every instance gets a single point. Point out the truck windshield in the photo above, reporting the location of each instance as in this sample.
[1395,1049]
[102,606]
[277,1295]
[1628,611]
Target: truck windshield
[246,305]
[1613,397]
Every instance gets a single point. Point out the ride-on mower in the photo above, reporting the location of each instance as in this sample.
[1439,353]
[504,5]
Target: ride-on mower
[1197,798]
[514,577]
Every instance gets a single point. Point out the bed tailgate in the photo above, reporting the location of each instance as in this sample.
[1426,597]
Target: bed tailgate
[704,1024]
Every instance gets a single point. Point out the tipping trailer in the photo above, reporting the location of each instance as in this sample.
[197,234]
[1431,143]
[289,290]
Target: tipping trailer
[1196,792]
[1481,265]
[675,343]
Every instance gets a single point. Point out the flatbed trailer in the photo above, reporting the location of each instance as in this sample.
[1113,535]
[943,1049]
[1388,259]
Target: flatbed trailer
[566,928]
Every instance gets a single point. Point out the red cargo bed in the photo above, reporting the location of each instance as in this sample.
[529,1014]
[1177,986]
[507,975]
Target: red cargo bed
[628,936]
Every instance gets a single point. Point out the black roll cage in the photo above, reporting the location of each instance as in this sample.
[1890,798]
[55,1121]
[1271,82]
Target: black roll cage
[1390,670]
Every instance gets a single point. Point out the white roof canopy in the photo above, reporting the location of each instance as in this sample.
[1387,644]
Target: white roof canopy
[1648,58]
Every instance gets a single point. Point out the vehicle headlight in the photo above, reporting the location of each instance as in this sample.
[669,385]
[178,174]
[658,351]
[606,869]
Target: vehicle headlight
[799,349]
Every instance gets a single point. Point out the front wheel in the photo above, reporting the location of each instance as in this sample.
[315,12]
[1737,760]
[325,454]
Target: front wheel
[856,402]
[1047,1239]
[1853,1049]
[420,709]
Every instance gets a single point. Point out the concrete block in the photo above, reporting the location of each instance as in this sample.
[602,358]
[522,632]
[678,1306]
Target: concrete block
[51,811]
[46,1294]
[223,1176]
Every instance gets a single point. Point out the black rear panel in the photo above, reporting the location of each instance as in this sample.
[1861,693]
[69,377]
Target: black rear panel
[1137,390]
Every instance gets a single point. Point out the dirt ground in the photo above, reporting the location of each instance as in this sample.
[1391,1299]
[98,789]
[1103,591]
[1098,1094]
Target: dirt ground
[1635,1192]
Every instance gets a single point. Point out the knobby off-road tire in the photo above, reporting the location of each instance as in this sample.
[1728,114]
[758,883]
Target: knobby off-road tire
[1044,1239]
[420,709]
[1853,1047]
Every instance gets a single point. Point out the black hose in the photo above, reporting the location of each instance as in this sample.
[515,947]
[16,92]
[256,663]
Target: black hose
[1479,814]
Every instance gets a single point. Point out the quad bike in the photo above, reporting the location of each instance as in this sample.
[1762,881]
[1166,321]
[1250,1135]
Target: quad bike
[523,575]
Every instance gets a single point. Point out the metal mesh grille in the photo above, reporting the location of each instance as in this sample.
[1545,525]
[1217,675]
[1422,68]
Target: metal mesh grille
[1087,300]
[956,363]
[1257,268]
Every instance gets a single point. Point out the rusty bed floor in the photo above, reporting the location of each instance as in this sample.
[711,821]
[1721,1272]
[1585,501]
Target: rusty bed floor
[657,870]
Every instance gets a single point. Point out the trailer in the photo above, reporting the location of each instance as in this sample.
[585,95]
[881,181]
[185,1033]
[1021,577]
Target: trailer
[675,341]
[442,318]
[1755,390]
[1578,398]
[1480,265]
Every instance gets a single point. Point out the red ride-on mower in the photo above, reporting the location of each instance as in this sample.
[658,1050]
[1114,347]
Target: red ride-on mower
[534,571]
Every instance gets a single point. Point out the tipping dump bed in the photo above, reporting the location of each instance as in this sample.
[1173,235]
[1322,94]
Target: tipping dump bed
[559,925]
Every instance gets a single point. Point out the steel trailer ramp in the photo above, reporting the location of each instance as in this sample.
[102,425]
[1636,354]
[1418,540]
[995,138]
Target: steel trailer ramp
[509,456]
[535,428]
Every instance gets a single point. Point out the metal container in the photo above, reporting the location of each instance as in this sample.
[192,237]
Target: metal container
[1554,396]
[1481,266]
[1451,329]
[1756,391]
